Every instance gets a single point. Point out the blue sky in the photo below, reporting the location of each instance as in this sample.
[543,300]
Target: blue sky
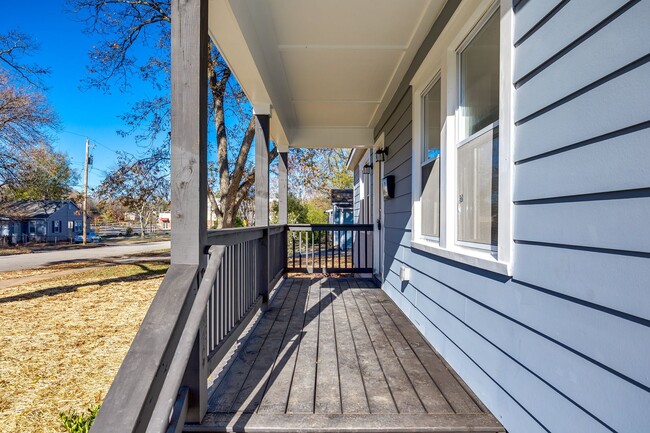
[64,49]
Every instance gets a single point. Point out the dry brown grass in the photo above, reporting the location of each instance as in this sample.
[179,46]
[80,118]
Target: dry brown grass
[62,341]
[10,251]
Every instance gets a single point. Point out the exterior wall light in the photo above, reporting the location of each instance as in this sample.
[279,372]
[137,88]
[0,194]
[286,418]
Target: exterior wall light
[380,155]
[367,169]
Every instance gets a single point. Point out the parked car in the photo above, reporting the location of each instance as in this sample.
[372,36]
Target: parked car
[91,236]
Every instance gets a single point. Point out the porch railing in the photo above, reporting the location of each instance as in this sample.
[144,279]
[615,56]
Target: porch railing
[209,308]
[330,248]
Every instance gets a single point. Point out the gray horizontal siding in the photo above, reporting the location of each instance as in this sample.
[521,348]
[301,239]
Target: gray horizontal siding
[529,16]
[584,117]
[591,222]
[575,19]
[615,164]
[626,30]
[562,345]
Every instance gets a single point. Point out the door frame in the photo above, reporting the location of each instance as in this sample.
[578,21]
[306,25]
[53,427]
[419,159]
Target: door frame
[378,213]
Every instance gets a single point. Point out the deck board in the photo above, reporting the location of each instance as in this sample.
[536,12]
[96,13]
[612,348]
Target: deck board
[277,390]
[353,392]
[303,385]
[328,388]
[336,354]
[380,400]
[406,399]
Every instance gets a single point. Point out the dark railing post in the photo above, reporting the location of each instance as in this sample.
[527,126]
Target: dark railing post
[263,277]
[285,248]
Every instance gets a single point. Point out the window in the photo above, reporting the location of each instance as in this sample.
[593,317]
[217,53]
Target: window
[479,79]
[462,129]
[78,226]
[478,190]
[38,228]
[430,196]
[478,154]
[56,226]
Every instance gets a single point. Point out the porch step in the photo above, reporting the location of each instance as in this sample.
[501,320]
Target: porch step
[370,423]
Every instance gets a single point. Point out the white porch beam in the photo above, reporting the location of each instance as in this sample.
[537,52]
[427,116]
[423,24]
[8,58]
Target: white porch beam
[332,137]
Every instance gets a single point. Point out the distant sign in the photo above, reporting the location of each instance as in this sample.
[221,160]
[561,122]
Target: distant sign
[70,224]
[342,196]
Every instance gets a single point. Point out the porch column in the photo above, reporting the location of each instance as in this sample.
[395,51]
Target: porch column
[189,168]
[283,181]
[262,117]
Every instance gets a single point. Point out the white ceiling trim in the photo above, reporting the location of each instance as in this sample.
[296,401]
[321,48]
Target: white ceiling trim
[332,101]
[420,32]
[332,137]
[342,47]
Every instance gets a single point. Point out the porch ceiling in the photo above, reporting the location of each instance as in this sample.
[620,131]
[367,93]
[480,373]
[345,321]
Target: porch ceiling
[327,68]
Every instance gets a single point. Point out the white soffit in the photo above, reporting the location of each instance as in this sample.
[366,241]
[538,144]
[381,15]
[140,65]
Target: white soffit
[328,67]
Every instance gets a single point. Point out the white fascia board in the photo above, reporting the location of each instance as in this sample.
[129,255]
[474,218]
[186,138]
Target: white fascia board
[341,138]
[354,157]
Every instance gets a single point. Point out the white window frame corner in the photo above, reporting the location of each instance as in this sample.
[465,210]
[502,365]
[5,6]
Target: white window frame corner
[442,63]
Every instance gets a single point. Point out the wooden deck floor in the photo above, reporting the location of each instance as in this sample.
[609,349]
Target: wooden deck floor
[338,355]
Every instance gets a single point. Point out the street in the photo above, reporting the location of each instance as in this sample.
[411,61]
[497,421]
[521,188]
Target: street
[37,260]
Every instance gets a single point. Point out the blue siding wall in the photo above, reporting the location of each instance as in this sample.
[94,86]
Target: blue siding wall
[563,345]
[357,194]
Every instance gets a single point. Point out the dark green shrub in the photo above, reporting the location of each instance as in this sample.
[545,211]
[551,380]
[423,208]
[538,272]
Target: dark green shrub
[129,231]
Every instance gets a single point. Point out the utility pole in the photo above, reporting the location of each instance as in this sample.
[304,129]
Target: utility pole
[85,207]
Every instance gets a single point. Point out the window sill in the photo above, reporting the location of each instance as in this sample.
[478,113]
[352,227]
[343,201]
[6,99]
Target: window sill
[477,258]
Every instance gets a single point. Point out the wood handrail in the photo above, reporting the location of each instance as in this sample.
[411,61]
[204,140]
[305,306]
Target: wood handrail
[334,227]
[132,397]
[169,392]
[237,235]
[146,386]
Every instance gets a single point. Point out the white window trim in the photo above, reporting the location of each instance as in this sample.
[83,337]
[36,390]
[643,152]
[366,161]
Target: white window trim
[442,59]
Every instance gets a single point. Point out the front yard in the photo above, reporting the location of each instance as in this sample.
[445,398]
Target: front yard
[63,339]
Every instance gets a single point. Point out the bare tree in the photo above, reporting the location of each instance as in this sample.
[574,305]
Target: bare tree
[127,26]
[26,118]
[14,46]
[315,171]
[45,175]
[135,184]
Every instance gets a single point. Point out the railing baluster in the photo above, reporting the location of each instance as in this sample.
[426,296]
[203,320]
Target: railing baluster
[345,250]
[326,249]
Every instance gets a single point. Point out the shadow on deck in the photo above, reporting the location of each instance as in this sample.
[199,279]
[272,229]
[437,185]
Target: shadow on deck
[336,354]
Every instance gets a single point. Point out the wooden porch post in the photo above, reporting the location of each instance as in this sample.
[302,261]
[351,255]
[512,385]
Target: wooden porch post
[189,180]
[283,181]
[262,199]
[283,189]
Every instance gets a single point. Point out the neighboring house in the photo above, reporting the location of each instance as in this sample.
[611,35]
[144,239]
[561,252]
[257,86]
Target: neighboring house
[164,220]
[39,220]
[341,201]
[501,152]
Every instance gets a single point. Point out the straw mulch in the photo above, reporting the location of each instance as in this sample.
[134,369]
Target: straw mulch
[62,340]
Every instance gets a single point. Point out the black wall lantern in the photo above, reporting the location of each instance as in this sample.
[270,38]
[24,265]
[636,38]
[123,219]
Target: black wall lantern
[367,169]
[380,155]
